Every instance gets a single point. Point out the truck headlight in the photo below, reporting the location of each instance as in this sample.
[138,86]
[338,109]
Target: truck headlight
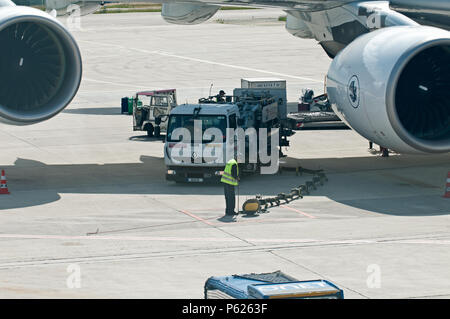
[171,172]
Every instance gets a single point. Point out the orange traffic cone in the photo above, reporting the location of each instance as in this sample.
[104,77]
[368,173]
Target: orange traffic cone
[3,186]
[447,187]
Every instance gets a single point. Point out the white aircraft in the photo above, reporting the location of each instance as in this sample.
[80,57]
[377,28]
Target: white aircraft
[389,79]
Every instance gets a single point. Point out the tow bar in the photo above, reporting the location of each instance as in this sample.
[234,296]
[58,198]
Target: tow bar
[254,206]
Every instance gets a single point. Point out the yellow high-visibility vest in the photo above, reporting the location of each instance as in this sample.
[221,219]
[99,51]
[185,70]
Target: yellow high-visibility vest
[227,177]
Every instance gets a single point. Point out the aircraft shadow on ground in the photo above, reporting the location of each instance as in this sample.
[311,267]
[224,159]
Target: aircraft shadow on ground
[95,111]
[34,183]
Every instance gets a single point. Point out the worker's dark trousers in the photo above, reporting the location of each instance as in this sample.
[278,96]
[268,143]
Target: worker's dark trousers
[230,199]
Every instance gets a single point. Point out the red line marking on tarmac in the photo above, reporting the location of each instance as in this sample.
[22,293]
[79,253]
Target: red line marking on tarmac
[297,211]
[196,217]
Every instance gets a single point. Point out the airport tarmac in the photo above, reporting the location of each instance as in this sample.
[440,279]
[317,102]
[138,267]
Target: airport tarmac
[89,196]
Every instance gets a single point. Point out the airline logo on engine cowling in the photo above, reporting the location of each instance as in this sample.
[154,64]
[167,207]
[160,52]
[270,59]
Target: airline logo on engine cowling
[353,91]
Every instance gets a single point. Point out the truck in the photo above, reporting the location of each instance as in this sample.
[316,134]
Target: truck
[314,112]
[151,110]
[250,107]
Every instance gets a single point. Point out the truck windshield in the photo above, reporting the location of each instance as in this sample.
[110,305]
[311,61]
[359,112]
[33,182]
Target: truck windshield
[160,101]
[187,122]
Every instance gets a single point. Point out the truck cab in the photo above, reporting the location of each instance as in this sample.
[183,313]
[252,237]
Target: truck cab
[151,110]
[196,155]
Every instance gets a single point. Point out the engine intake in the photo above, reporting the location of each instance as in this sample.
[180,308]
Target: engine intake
[419,102]
[40,66]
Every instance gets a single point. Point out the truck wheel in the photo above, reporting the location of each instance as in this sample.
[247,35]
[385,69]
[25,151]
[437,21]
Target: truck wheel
[157,131]
[150,131]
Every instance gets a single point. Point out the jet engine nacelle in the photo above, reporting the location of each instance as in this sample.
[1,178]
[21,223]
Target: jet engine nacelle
[187,13]
[40,66]
[392,86]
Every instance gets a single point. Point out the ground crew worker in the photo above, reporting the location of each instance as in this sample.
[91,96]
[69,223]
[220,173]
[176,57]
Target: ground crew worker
[230,178]
[221,96]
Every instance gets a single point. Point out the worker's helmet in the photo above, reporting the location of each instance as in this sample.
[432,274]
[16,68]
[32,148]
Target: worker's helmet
[222,92]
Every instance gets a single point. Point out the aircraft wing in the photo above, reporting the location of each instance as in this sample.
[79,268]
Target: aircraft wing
[389,79]
[333,23]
